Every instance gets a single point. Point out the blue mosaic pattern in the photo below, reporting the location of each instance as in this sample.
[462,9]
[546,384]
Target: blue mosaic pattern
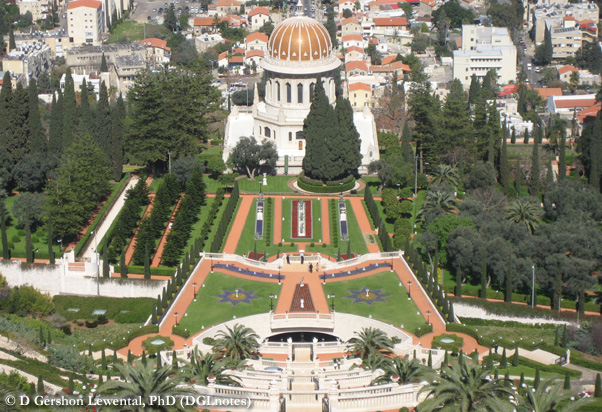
[230,296]
[373,296]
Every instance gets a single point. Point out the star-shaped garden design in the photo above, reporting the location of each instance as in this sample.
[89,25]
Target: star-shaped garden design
[235,298]
[368,296]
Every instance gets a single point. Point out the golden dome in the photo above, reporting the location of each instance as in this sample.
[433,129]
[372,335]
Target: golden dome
[300,39]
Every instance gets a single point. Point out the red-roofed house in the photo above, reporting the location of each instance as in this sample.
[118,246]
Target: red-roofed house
[354,40]
[257,41]
[388,59]
[206,24]
[426,7]
[564,72]
[222,59]
[236,61]
[346,4]
[546,92]
[86,19]
[386,25]
[360,95]
[351,26]
[354,53]
[157,51]
[395,67]
[356,67]
[258,17]
[589,113]
[225,7]
[378,5]
[565,105]
[254,56]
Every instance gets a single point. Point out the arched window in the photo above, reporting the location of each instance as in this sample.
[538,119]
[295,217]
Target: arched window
[300,93]
[278,90]
[301,145]
[289,93]
[311,91]
[290,136]
[267,132]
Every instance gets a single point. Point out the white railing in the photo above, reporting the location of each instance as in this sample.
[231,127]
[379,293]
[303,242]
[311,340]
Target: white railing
[328,265]
[302,320]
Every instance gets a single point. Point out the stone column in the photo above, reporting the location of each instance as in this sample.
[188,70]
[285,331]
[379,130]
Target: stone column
[333,397]
[274,396]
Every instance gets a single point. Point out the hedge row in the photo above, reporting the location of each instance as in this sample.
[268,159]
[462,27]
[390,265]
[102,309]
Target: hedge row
[314,182]
[267,221]
[536,365]
[152,227]
[334,223]
[325,189]
[99,218]
[139,270]
[578,359]
[186,216]
[122,310]
[216,245]
[372,208]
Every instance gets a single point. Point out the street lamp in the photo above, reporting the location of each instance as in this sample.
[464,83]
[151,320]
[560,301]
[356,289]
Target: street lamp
[532,286]
[410,283]
[341,187]
[176,315]
[324,275]
[279,275]
[398,185]
[97,264]
[169,156]
[428,317]
[416,175]
[272,296]
[194,285]
[331,297]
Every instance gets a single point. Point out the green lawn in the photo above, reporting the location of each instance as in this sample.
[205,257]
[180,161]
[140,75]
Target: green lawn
[372,183]
[122,310]
[397,309]
[134,31]
[155,184]
[276,184]
[529,373]
[316,213]
[207,311]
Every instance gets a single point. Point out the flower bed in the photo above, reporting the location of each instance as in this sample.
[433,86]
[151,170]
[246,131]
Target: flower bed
[295,219]
[343,220]
[259,221]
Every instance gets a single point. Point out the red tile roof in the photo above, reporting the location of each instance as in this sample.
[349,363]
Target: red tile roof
[350,20]
[355,48]
[257,36]
[546,92]
[357,64]
[222,55]
[351,37]
[93,4]
[388,59]
[390,21]
[574,103]
[207,21]
[231,3]
[238,51]
[567,68]
[359,86]
[154,42]
[390,67]
[591,111]
[259,10]
[236,59]
[253,53]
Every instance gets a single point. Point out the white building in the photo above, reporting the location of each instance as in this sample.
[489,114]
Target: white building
[299,50]
[483,49]
[86,21]
[258,17]
[39,9]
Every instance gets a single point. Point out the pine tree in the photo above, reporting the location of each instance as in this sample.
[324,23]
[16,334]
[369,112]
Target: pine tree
[147,271]
[69,111]
[117,133]
[123,268]
[562,157]
[86,118]
[55,133]
[598,387]
[102,129]
[346,148]
[534,181]
[504,166]
[36,135]
[456,127]
[595,154]
[406,148]
[103,64]
[17,136]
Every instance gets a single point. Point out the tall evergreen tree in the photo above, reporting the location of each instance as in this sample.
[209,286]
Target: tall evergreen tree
[480,128]
[349,143]
[457,128]
[69,111]
[475,89]
[55,132]
[3,217]
[17,142]
[11,40]
[50,250]
[318,127]
[534,181]
[504,166]
[117,134]
[36,134]
[6,94]
[526,137]
[595,154]
[406,148]
[562,156]
[425,109]
[103,64]
[102,131]
[86,118]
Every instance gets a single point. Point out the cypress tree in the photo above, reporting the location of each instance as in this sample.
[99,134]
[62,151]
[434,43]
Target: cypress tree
[507,378]
[483,290]
[496,374]
[106,270]
[346,149]
[475,89]
[117,133]
[489,362]
[86,118]
[103,360]
[143,360]
[458,288]
[102,131]
[55,132]
[562,157]
[103,64]
[349,250]
[3,216]
[174,361]
[69,111]
[406,148]
[598,387]
[556,342]
[504,361]
[36,135]
[147,271]
[100,381]
[526,137]
[40,385]
[6,94]
[513,136]
[537,380]
[17,135]
[130,357]
[564,337]
[504,166]
[48,337]
[595,169]
[430,360]
[508,287]
[41,337]
[445,359]
[50,250]
[11,40]
[522,379]
[515,360]
[71,384]
[567,382]
[122,267]
[159,364]
[491,148]
[534,182]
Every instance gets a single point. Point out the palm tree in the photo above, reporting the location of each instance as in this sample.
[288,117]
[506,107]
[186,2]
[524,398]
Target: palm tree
[445,174]
[144,381]
[239,342]
[466,388]
[5,407]
[405,369]
[370,341]
[373,362]
[548,396]
[525,210]
[439,199]
[202,366]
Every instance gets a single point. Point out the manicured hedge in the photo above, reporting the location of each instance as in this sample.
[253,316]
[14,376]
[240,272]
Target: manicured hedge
[372,208]
[334,223]
[578,359]
[267,221]
[325,188]
[224,223]
[138,309]
[537,365]
[139,270]
[423,329]
[99,218]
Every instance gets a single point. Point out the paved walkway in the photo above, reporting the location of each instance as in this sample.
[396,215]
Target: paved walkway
[238,224]
[363,221]
[277,220]
[293,274]
[103,228]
